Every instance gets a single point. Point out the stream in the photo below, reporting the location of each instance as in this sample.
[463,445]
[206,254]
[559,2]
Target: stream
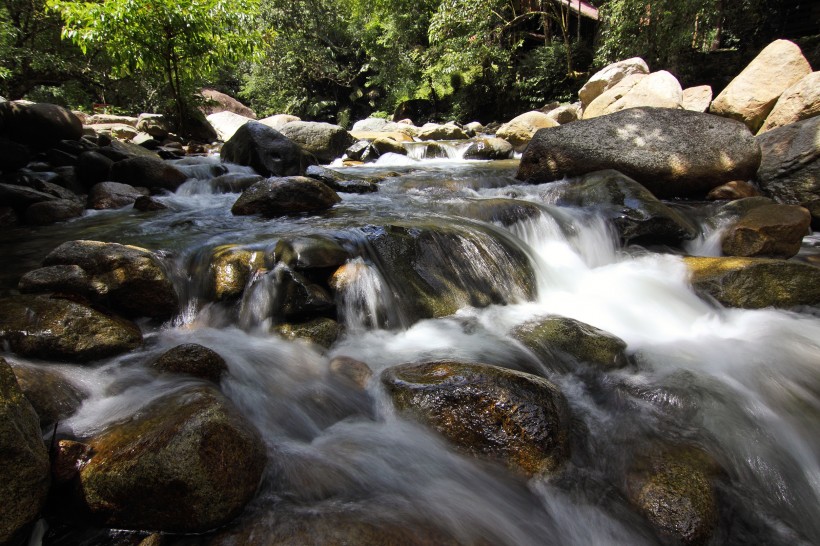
[743,386]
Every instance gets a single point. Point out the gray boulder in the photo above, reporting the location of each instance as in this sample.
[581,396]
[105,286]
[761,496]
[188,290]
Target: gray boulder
[268,151]
[147,172]
[673,153]
[39,125]
[324,141]
[282,196]
[112,195]
[790,167]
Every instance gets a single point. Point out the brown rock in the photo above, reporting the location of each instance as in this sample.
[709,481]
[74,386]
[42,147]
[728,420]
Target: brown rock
[736,189]
[520,130]
[774,231]
[697,99]
[282,196]
[53,397]
[194,360]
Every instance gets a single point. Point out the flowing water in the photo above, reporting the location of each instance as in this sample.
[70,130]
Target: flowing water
[744,386]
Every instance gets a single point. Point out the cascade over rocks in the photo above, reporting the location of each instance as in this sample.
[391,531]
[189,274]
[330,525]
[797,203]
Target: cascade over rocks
[519,419]
[129,279]
[673,153]
[774,231]
[58,329]
[638,215]
[229,269]
[790,165]
[610,75]
[282,196]
[324,141]
[269,152]
[751,96]
[798,102]
[23,460]
[186,463]
[755,283]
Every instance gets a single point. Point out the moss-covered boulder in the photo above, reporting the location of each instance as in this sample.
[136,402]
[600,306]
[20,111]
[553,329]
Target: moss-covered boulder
[754,283]
[673,490]
[561,342]
[322,331]
[192,359]
[186,463]
[23,460]
[774,231]
[58,329]
[513,417]
[52,395]
[128,279]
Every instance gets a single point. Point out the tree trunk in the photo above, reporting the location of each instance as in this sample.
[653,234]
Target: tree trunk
[721,7]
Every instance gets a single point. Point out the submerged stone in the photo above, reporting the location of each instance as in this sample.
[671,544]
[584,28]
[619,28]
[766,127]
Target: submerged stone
[516,418]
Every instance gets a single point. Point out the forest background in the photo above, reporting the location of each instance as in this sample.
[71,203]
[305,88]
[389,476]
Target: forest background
[344,60]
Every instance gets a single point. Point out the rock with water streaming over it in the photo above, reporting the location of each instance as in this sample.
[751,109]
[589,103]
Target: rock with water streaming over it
[561,342]
[755,283]
[52,395]
[303,299]
[23,460]
[322,331]
[516,418]
[673,489]
[229,269]
[274,197]
[129,279]
[673,153]
[186,463]
[638,216]
[773,231]
[435,270]
[192,359]
[790,168]
[58,329]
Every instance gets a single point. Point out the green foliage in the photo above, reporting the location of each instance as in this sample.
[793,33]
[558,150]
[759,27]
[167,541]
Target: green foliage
[183,41]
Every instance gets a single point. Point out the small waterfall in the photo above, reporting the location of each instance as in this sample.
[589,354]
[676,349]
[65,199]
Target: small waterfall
[363,297]
[261,299]
[440,149]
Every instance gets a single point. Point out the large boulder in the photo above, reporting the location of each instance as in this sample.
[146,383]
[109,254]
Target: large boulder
[147,172]
[194,360]
[754,283]
[129,279]
[93,168]
[23,460]
[52,396]
[448,131]
[268,151]
[697,99]
[638,216]
[516,418]
[790,165]
[489,148]
[39,125]
[753,93]
[50,212]
[673,153]
[226,124]
[773,231]
[562,342]
[324,140]
[216,101]
[520,130]
[186,463]
[282,196]
[659,89]
[607,77]
[112,195]
[58,329]
[798,102]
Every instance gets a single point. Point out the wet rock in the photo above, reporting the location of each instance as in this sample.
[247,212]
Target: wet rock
[146,203]
[517,418]
[112,195]
[798,102]
[227,123]
[774,231]
[636,214]
[339,182]
[736,189]
[790,166]
[426,269]
[521,129]
[230,269]
[310,252]
[561,342]
[147,172]
[50,212]
[324,141]
[23,458]
[658,90]
[282,196]
[502,211]
[751,96]
[93,168]
[129,279]
[673,153]
[351,371]
[58,329]
[697,99]
[194,360]
[321,331]
[39,125]
[186,463]
[57,278]
[673,490]
[489,148]
[52,396]
[610,75]
[303,299]
[754,283]
[268,151]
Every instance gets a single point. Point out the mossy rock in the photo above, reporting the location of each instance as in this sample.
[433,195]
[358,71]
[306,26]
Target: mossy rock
[52,395]
[755,283]
[516,418]
[194,360]
[562,341]
[230,269]
[322,331]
